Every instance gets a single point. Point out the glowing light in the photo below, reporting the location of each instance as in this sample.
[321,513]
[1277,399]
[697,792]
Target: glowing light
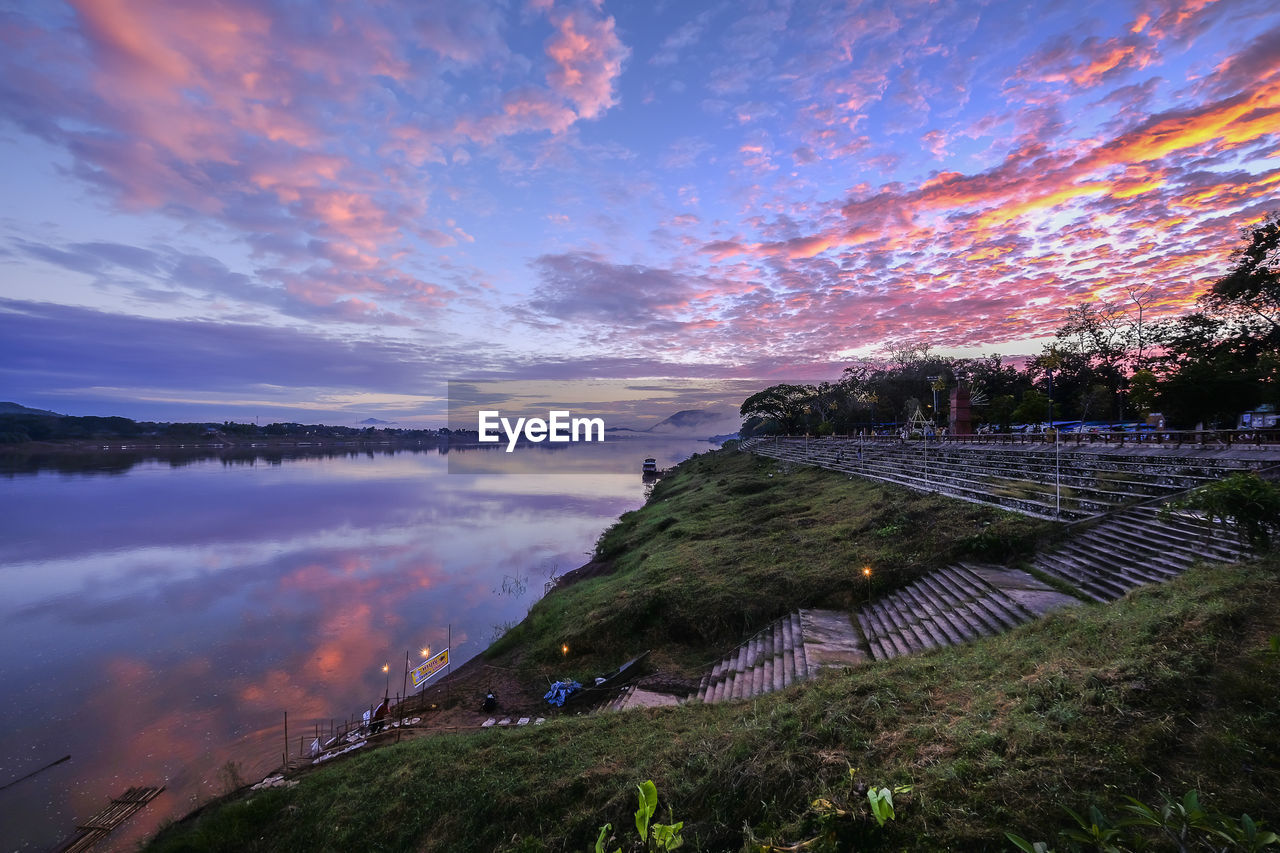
[866,571]
[564,649]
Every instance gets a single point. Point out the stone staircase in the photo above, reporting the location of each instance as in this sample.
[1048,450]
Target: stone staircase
[1140,545]
[772,659]
[1101,560]
[952,606]
[948,607]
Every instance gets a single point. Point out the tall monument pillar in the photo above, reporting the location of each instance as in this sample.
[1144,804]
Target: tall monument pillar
[961,421]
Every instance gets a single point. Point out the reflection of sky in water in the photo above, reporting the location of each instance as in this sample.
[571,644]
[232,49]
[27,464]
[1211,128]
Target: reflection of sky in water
[157,623]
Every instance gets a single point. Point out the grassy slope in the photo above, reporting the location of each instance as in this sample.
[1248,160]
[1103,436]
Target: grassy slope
[1165,690]
[733,541]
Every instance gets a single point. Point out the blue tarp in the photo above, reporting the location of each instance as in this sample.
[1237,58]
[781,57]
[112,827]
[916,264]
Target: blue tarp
[560,691]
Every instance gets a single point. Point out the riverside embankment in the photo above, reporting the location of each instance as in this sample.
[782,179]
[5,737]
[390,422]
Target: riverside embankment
[1157,692]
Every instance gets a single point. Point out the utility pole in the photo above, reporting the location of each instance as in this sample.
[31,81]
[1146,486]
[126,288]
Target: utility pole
[934,380]
[1057,456]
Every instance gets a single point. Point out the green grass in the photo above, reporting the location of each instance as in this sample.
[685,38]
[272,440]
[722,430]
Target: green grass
[731,541]
[1173,687]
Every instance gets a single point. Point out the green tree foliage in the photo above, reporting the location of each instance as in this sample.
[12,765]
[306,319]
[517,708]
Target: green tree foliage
[1244,499]
[783,405]
[1088,362]
[1033,409]
[1222,359]
[1248,296]
[1106,362]
[1143,389]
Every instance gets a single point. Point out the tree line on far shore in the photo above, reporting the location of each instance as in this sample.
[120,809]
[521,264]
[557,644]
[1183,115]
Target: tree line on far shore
[21,427]
[1107,362]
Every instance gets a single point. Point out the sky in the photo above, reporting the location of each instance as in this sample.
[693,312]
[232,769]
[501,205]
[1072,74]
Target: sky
[323,212]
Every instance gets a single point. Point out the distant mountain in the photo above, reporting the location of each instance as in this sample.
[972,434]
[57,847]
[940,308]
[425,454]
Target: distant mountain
[375,422]
[18,409]
[691,423]
[687,419]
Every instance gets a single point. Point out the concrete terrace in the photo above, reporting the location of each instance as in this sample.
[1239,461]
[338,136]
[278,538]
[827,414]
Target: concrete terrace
[1121,534]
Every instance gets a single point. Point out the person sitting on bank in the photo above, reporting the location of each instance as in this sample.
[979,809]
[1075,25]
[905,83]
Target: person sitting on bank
[490,703]
[380,715]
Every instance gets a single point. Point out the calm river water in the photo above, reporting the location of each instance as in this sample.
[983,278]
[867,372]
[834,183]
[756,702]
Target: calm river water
[159,617]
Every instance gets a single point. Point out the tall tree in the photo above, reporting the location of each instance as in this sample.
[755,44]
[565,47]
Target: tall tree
[784,405]
[1222,360]
[1088,352]
[1248,296]
[1138,337]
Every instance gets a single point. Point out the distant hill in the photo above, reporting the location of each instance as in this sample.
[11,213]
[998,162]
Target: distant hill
[375,422]
[690,423]
[19,409]
[686,419]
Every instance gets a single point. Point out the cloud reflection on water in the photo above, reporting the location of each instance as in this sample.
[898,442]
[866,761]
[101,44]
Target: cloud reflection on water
[161,621]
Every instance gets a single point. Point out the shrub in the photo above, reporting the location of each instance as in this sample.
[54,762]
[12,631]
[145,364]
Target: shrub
[1244,499]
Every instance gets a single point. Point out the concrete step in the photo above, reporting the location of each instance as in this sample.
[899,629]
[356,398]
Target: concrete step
[908,622]
[930,617]
[1015,611]
[1175,533]
[966,606]
[830,640]
[1096,584]
[1121,563]
[800,653]
[788,653]
[1095,479]
[765,662]
[776,669]
[946,608]
[758,667]
[1148,549]
[1107,559]
[890,632]
[1026,593]
[1188,534]
[737,676]
[879,651]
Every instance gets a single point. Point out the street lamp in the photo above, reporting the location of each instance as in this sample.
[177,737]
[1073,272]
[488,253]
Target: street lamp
[386,669]
[866,573]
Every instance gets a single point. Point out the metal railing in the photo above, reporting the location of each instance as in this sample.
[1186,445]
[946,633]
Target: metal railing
[1119,438]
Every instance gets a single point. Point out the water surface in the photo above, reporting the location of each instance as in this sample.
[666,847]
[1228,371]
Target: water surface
[159,616]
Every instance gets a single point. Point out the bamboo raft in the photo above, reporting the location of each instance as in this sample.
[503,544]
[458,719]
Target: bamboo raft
[97,827]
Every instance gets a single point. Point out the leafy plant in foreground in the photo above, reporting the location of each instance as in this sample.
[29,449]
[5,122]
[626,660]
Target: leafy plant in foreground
[652,836]
[841,817]
[1186,824]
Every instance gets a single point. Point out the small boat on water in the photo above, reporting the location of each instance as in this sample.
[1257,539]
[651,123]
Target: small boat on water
[650,467]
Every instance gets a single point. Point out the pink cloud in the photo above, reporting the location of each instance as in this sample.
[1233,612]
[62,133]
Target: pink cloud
[588,59]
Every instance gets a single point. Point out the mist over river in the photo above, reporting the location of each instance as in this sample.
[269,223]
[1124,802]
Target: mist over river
[160,615]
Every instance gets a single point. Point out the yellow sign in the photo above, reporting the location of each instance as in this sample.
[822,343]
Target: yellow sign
[429,667]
